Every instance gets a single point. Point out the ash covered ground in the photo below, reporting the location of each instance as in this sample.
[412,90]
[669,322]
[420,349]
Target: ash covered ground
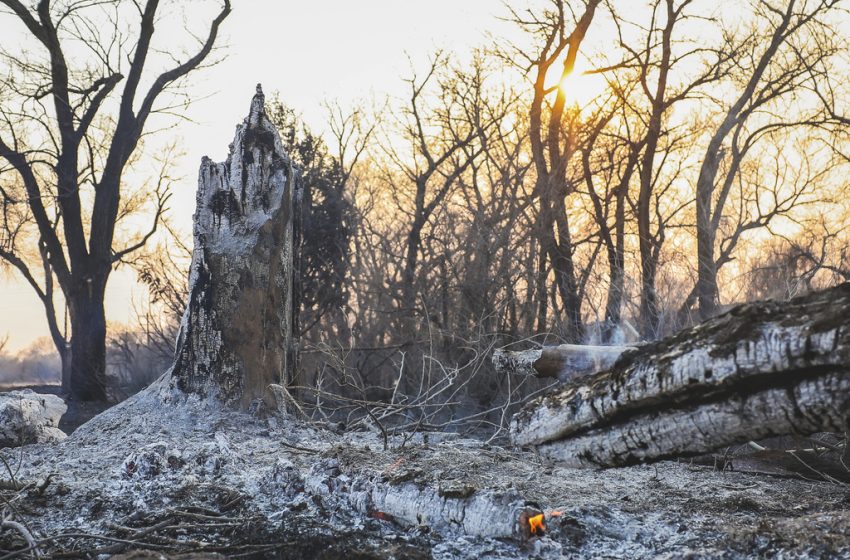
[180,477]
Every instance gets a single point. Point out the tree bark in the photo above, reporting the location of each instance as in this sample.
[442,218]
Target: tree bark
[408,286]
[762,369]
[238,334]
[65,364]
[706,288]
[88,342]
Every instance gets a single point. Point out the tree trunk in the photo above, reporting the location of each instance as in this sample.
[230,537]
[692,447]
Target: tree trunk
[65,359]
[565,275]
[408,285]
[616,270]
[63,347]
[707,215]
[613,237]
[649,316]
[706,269]
[238,334]
[762,369]
[540,290]
[88,341]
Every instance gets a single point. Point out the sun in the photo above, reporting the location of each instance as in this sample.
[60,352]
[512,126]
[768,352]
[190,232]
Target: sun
[581,86]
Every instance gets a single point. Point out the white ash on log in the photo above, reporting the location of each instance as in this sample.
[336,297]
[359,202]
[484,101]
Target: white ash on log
[762,369]
[483,514]
[444,507]
[238,331]
[30,417]
[564,362]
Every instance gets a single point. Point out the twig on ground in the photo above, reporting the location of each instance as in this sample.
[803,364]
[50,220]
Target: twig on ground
[32,545]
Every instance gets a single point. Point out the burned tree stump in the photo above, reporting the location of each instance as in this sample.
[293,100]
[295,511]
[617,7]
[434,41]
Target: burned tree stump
[762,369]
[238,332]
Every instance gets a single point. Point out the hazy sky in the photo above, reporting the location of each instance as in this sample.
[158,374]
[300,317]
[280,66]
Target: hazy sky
[307,51]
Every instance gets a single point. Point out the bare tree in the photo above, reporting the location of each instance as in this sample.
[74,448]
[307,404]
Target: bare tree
[87,136]
[775,65]
[552,147]
[609,161]
[788,266]
[442,143]
[658,63]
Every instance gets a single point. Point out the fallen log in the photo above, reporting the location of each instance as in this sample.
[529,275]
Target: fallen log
[564,362]
[762,369]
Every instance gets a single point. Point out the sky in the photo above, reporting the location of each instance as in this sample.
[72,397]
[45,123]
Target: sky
[308,52]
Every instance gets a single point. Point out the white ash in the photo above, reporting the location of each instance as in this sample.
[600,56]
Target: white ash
[460,497]
[29,417]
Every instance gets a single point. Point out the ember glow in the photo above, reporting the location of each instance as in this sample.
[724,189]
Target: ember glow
[380,515]
[535,525]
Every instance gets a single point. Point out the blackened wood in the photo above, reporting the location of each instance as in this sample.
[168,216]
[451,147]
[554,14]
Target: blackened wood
[239,330]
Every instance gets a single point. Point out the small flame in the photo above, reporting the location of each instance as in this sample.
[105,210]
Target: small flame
[556,513]
[535,524]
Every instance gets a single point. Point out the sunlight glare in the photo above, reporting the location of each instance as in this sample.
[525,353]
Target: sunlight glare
[579,87]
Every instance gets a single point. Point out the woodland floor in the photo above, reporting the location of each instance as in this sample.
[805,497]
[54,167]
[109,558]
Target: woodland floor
[177,479]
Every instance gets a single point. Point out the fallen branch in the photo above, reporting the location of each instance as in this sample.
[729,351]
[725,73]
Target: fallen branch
[564,362]
[32,545]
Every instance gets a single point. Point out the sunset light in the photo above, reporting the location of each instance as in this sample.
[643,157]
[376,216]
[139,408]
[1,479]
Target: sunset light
[448,279]
[581,87]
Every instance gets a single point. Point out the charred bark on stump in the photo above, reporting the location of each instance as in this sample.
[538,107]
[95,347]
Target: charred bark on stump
[238,334]
[762,369]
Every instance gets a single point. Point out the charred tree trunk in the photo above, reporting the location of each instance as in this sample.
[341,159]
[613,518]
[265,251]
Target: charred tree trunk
[762,369]
[65,364]
[88,341]
[238,333]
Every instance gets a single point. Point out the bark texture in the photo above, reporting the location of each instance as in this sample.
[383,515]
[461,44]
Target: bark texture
[238,332]
[762,369]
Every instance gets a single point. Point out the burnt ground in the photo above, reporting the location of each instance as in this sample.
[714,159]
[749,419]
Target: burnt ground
[145,476]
